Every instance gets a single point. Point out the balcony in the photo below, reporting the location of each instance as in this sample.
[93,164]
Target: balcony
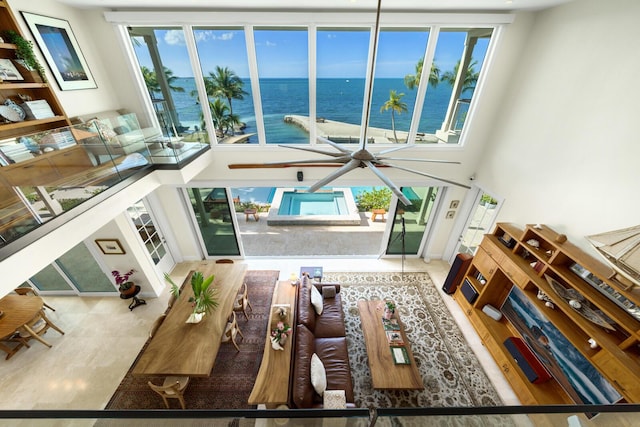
[48,174]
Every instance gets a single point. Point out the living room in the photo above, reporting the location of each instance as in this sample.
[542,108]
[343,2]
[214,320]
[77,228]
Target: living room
[553,136]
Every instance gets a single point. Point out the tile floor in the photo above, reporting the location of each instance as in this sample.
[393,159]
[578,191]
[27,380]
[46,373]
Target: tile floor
[102,338]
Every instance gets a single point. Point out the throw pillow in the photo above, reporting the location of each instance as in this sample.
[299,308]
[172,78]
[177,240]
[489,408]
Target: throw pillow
[316,300]
[328,292]
[318,375]
[103,128]
[334,399]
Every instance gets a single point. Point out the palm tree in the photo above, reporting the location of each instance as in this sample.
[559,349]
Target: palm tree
[151,80]
[470,78]
[225,83]
[412,81]
[222,119]
[394,103]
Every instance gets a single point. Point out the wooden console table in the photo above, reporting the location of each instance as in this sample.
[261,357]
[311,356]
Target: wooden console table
[385,374]
[272,383]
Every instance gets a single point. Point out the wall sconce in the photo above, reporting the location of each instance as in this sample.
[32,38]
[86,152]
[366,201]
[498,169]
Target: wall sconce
[300,176]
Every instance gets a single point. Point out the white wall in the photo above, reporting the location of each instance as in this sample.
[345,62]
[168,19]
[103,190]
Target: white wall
[564,147]
[101,50]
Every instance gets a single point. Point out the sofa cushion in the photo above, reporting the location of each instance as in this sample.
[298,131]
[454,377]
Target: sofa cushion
[328,292]
[306,312]
[302,392]
[331,323]
[316,300]
[318,375]
[334,354]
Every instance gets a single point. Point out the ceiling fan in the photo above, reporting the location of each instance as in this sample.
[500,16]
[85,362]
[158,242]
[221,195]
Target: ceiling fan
[354,158]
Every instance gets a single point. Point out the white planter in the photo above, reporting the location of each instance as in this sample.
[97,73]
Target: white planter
[195,318]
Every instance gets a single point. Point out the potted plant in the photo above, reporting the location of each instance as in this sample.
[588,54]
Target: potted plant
[25,55]
[204,298]
[125,286]
[375,200]
[279,335]
[389,309]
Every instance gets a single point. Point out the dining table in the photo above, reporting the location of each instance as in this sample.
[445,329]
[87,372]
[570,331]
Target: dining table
[17,312]
[179,348]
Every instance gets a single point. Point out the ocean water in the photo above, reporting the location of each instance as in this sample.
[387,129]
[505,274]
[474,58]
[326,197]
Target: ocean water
[337,99]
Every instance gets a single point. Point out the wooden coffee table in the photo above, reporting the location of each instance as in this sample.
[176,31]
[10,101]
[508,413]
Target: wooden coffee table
[385,374]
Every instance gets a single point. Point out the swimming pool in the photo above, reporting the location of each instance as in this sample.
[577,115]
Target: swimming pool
[324,207]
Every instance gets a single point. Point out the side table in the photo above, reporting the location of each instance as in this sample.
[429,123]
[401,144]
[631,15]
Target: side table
[136,301]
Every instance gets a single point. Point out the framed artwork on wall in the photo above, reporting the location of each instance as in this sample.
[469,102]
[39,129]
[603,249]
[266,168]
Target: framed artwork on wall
[61,51]
[110,246]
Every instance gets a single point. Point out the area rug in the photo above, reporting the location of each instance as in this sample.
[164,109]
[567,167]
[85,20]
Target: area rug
[451,373]
[233,374]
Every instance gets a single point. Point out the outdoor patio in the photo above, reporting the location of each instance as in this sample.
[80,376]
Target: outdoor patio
[260,239]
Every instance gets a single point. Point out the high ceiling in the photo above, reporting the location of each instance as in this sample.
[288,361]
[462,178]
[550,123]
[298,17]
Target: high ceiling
[396,5]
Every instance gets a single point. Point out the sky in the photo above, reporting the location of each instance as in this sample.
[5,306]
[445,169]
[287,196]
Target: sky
[284,53]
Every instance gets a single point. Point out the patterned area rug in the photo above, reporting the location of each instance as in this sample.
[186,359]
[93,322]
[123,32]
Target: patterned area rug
[233,374]
[451,373]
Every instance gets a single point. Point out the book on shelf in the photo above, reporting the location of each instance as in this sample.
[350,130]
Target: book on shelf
[395,338]
[390,324]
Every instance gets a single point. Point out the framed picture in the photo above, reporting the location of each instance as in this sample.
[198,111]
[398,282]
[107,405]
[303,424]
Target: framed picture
[8,71]
[110,246]
[61,51]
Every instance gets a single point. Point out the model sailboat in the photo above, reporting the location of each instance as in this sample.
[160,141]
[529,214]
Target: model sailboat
[621,249]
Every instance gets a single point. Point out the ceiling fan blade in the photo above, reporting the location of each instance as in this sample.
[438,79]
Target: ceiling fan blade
[429,176]
[389,150]
[320,164]
[315,150]
[419,160]
[389,183]
[333,144]
[335,174]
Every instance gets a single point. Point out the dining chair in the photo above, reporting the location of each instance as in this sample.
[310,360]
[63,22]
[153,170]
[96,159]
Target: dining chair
[242,302]
[30,291]
[156,324]
[12,344]
[231,330]
[171,388]
[37,327]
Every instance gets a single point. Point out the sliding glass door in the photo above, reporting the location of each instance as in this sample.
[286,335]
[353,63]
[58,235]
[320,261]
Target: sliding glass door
[214,219]
[410,222]
[75,272]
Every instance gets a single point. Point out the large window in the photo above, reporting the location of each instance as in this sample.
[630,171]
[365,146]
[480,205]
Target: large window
[341,71]
[286,83]
[225,68]
[392,102]
[450,87]
[283,69]
[163,59]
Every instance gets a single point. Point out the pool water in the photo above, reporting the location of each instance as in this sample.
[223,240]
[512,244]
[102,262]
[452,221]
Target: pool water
[294,207]
[266,194]
[294,203]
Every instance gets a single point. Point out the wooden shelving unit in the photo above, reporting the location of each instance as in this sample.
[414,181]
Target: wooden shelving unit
[36,90]
[506,258]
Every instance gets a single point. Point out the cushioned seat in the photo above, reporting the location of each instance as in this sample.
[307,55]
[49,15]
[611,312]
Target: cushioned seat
[120,133]
[323,335]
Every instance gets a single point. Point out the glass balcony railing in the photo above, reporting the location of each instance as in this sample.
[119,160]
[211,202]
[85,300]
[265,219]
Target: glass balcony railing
[510,416]
[45,174]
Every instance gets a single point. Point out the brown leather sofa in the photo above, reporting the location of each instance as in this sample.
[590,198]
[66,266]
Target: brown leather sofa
[324,335]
